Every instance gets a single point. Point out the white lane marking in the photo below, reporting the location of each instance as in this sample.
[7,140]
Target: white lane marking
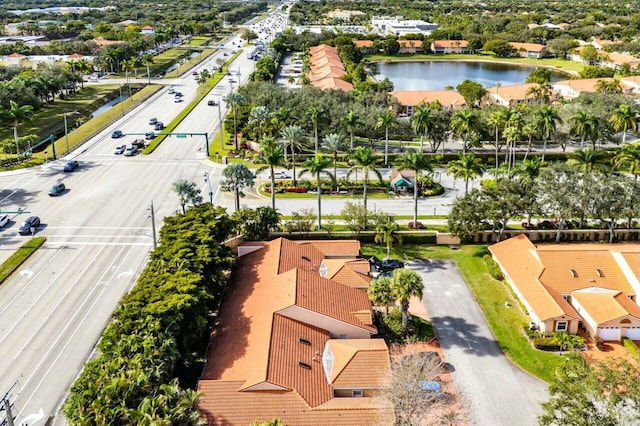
[59,336]
[32,418]
[89,243]
[124,274]
[26,272]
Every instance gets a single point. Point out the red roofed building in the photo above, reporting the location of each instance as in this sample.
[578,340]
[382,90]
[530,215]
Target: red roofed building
[326,69]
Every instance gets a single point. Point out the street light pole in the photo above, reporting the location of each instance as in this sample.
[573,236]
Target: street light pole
[208,181]
[221,127]
[66,130]
[153,225]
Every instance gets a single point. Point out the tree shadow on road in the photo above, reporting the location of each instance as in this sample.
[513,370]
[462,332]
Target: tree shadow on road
[455,332]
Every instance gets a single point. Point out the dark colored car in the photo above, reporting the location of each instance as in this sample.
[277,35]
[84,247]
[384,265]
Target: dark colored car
[31,222]
[159,125]
[149,135]
[117,134]
[57,189]
[389,265]
[71,166]
[212,102]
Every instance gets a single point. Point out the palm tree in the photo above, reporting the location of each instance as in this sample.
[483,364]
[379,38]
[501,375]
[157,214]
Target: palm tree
[293,137]
[529,170]
[317,166]
[282,117]
[314,115]
[380,292]
[187,193]
[418,162]
[608,86]
[584,125]
[529,131]
[513,132]
[623,119]
[147,61]
[271,155]
[586,159]
[236,177]
[18,114]
[385,121]
[366,160]
[260,115]
[233,101]
[547,120]
[387,233]
[541,92]
[628,157]
[406,284]
[333,143]
[497,121]
[422,121]
[466,167]
[351,120]
[464,123]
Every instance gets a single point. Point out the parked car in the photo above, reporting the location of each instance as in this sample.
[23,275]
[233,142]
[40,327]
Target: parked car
[212,102]
[117,134]
[159,125]
[4,219]
[389,265]
[57,189]
[31,222]
[131,150]
[148,136]
[119,149]
[153,120]
[71,166]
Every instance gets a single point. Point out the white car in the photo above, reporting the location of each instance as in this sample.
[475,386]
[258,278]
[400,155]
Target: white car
[131,150]
[4,219]
[171,91]
[281,174]
[119,149]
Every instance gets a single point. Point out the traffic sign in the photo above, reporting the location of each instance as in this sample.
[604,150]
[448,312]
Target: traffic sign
[181,135]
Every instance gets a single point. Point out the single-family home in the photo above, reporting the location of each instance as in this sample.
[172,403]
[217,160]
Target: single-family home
[365,46]
[513,95]
[631,84]
[450,46]
[528,50]
[410,47]
[294,342]
[563,286]
[147,30]
[573,88]
[14,59]
[448,99]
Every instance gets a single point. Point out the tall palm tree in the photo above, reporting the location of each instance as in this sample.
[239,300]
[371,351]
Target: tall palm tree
[351,120]
[293,137]
[281,118]
[18,114]
[547,120]
[628,157]
[385,121]
[380,292]
[608,86]
[233,101]
[406,284]
[529,131]
[587,159]
[529,170]
[366,160]
[623,119]
[317,166]
[418,162]
[260,115]
[584,125]
[314,113]
[147,61]
[333,143]
[464,123]
[187,193]
[466,167]
[387,233]
[496,121]
[271,155]
[422,121]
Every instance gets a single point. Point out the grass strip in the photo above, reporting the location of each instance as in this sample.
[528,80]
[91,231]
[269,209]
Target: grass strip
[19,257]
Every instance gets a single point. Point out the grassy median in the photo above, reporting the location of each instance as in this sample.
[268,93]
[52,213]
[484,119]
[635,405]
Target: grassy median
[19,257]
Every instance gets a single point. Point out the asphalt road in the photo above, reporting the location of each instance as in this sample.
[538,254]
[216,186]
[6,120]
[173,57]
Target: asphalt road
[98,239]
[493,390]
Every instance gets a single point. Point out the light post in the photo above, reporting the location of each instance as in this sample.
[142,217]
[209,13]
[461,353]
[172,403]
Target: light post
[66,128]
[207,179]
[221,126]
[121,101]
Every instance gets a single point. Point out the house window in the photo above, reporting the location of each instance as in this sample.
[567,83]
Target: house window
[344,336]
[356,393]
[561,326]
[567,298]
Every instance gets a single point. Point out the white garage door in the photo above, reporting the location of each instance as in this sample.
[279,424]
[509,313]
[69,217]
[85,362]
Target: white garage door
[633,333]
[609,333]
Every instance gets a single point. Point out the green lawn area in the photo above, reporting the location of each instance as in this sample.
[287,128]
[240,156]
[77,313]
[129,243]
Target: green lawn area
[16,259]
[505,322]
[199,41]
[555,63]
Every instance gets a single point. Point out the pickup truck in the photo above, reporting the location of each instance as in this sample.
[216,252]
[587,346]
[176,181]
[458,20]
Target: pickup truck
[138,143]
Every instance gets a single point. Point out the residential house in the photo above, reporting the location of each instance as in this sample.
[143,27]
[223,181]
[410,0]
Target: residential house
[410,99]
[562,286]
[410,47]
[147,30]
[14,60]
[294,342]
[365,46]
[450,46]
[573,88]
[326,69]
[631,84]
[513,95]
[528,50]
[604,59]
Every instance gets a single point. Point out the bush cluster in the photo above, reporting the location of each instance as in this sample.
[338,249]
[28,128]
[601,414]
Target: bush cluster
[631,346]
[493,268]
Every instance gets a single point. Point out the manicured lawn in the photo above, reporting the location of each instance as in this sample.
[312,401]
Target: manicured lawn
[199,41]
[491,295]
[19,257]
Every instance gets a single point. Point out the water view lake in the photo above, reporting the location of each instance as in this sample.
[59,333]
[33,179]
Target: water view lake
[436,75]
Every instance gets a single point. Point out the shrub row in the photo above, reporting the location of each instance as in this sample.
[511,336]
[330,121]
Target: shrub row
[546,344]
[492,267]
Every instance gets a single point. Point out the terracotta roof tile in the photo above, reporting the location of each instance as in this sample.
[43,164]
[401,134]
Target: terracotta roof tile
[355,359]
[294,255]
[333,248]
[582,84]
[514,92]
[602,306]
[450,43]
[416,97]
[410,43]
[360,44]
[529,47]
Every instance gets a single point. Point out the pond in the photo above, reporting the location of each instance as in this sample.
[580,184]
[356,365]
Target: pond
[109,105]
[437,75]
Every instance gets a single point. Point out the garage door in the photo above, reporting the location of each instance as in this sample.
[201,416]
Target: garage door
[633,333]
[609,333]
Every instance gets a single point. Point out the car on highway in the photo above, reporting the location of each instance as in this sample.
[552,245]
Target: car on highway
[194,73]
[178,93]
[117,134]
[119,149]
[28,224]
[177,99]
[389,265]
[171,91]
[57,189]
[148,136]
[131,150]
[159,125]
[71,166]
[231,80]
[4,219]
[212,102]
[153,120]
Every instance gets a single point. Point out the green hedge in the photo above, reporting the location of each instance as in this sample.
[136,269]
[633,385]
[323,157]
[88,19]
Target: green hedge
[493,268]
[631,347]
[546,344]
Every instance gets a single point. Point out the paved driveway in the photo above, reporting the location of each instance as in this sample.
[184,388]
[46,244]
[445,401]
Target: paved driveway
[493,390]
